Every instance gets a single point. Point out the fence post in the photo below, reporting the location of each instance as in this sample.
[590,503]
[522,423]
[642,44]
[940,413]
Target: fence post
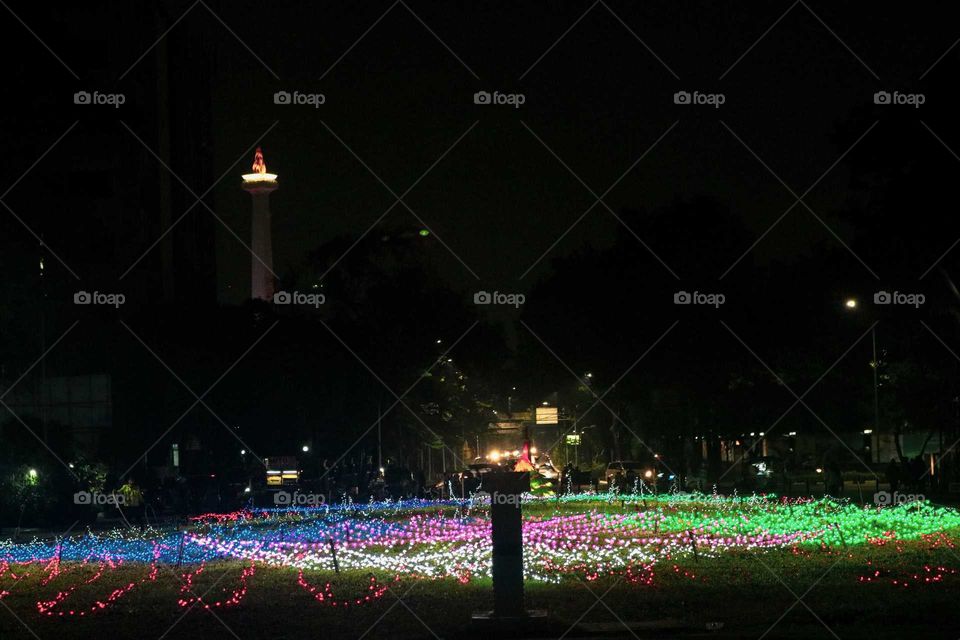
[333,551]
[183,535]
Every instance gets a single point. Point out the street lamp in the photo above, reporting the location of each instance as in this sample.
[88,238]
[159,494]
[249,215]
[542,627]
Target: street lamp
[305,449]
[851,304]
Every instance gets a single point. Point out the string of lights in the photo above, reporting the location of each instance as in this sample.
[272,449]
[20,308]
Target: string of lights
[584,536]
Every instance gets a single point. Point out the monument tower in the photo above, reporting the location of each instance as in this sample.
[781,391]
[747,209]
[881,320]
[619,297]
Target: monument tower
[260,185]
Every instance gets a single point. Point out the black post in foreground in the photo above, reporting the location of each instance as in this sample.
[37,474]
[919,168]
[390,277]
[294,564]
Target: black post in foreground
[505,515]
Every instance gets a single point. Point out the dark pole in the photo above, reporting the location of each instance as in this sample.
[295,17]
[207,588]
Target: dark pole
[876,393]
[507,533]
[505,516]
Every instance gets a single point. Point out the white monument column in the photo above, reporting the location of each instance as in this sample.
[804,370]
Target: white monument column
[260,185]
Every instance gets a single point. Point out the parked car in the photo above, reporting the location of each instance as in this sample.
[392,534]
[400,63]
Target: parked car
[617,472]
[546,469]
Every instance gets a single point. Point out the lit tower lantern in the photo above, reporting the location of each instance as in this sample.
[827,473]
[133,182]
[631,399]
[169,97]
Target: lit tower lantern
[260,185]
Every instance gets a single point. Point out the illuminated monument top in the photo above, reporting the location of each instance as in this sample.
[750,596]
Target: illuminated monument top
[259,170]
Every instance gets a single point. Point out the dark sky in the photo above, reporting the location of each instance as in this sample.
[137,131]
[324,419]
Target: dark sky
[598,98]
[399,79]
[795,92]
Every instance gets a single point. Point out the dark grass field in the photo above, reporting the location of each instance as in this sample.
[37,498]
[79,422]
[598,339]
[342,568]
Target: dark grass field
[741,590]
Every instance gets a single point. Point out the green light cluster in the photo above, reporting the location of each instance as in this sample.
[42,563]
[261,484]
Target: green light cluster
[825,521]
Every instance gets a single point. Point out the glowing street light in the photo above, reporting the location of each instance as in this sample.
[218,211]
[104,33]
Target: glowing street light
[305,449]
[851,304]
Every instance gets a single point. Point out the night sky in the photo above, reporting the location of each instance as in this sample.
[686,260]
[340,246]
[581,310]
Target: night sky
[693,196]
[599,97]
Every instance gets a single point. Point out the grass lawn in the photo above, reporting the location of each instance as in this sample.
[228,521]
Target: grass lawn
[748,590]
